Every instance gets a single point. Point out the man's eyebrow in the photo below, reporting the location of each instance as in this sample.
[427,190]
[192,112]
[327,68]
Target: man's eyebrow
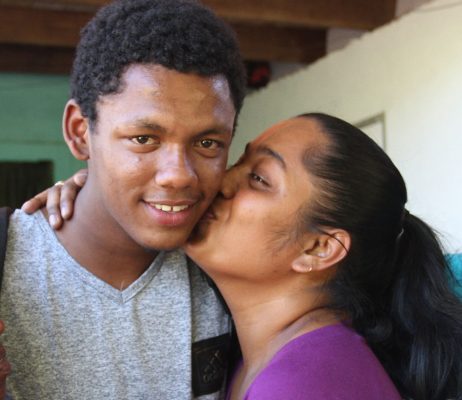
[142,123]
[273,154]
[219,130]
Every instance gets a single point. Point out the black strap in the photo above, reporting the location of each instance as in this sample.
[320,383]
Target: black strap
[4,219]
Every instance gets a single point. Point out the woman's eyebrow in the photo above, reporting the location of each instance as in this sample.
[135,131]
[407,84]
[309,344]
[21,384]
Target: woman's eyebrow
[273,154]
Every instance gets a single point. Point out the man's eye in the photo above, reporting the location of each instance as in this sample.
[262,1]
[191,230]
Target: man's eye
[142,140]
[208,144]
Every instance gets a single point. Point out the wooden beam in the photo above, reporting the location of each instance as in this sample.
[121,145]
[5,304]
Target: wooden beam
[35,59]
[354,14]
[265,43]
[268,43]
[41,27]
[48,28]
[59,5]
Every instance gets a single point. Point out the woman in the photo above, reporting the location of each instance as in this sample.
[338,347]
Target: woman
[336,290]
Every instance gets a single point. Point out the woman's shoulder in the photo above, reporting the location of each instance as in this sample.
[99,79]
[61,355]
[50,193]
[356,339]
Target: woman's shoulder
[330,362]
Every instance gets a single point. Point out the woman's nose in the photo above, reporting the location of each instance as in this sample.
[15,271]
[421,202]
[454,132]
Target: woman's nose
[230,183]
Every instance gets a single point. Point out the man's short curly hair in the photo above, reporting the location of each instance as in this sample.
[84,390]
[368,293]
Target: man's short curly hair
[182,35]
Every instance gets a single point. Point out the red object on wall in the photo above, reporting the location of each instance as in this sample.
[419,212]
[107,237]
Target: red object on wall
[258,74]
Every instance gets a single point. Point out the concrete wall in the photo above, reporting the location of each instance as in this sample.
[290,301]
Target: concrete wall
[411,72]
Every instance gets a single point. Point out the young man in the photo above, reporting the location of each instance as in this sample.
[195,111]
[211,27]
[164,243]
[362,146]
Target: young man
[104,309]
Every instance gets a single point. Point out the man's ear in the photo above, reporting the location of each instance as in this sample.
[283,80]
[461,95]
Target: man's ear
[76,131]
[323,251]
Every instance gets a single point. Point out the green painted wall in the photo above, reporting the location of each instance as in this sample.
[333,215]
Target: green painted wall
[31,108]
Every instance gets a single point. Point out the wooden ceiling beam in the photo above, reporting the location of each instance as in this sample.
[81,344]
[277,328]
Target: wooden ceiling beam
[36,59]
[354,14]
[54,28]
[268,43]
[41,27]
[270,30]
[59,5]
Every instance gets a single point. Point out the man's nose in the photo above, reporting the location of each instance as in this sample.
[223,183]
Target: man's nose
[175,170]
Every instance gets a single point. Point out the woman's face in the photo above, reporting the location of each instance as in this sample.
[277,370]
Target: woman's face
[250,230]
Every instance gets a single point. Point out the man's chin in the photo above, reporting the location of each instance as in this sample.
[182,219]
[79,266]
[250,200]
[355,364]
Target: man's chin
[165,242]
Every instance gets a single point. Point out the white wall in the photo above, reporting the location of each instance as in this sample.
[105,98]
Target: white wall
[410,70]
[404,6]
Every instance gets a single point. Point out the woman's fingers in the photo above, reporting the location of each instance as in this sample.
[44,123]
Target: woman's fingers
[37,202]
[59,199]
[67,198]
[80,177]
[53,205]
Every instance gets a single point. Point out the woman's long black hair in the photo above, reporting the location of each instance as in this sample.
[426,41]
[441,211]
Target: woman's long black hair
[395,282]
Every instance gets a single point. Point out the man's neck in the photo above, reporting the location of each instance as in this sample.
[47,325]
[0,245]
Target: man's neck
[100,245]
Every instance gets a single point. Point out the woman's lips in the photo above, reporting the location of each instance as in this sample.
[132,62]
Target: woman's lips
[209,214]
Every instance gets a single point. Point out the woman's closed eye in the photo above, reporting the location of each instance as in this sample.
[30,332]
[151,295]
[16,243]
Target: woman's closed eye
[257,179]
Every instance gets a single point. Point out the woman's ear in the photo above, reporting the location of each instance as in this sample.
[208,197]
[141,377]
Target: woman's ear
[76,131]
[323,251]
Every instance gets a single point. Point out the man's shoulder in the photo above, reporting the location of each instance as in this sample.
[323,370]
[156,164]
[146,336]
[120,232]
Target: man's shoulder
[24,226]
[19,217]
[175,263]
[29,236]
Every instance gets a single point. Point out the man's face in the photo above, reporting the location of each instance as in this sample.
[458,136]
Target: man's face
[158,153]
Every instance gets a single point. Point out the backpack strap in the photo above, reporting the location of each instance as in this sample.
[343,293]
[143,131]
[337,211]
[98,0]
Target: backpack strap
[5,213]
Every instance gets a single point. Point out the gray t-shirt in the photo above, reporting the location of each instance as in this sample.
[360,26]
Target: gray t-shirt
[70,335]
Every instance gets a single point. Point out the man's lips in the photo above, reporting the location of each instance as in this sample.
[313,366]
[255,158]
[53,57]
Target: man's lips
[172,213]
[171,206]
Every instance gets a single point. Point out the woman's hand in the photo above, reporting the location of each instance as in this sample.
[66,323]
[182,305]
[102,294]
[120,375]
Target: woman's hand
[58,199]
